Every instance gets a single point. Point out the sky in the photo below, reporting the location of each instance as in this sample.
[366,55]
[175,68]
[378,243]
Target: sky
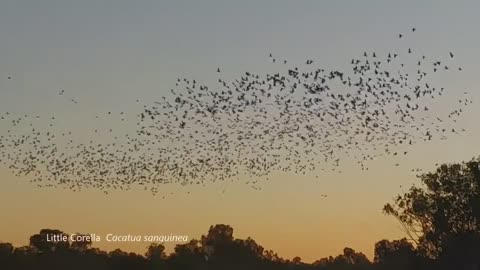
[106,54]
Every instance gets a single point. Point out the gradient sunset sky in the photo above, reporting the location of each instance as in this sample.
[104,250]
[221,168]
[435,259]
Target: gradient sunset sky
[108,53]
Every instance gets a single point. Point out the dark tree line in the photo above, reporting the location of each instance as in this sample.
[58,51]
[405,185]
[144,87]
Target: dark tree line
[441,219]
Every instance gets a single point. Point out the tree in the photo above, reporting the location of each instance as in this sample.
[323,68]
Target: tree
[6,258]
[156,251]
[6,249]
[323,263]
[45,242]
[397,254]
[348,260]
[82,242]
[272,256]
[23,251]
[118,253]
[223,251]
[219,234]
[119,259]
[218,243]
[188,256]
[354,258]
[250,248]
[297,260]
[156,255]
[443,217]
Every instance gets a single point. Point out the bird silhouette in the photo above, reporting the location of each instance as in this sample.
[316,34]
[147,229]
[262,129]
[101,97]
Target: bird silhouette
[299,119]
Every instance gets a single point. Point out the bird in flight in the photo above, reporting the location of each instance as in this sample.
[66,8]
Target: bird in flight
[296,120]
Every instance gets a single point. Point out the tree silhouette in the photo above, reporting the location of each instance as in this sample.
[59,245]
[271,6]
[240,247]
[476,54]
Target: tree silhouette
[351,260]
[443,218]
[43,244]
[6,249]
[189,256]
[82,243]
[218,235]
[156,255]
[397,254]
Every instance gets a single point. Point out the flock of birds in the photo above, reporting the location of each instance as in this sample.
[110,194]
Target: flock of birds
[300,121]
